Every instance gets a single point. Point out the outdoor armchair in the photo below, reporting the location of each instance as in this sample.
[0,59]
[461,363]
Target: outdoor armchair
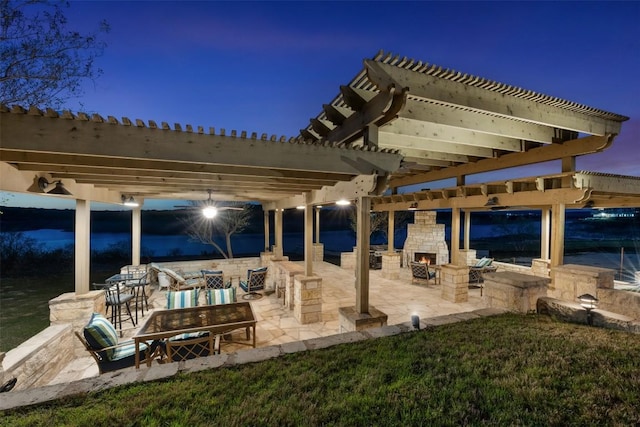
[256,279]
[214,279]
[420,272]
[100,339]
[476,272]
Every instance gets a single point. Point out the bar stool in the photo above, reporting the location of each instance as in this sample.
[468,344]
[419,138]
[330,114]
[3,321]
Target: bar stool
[114,300]
[138,286]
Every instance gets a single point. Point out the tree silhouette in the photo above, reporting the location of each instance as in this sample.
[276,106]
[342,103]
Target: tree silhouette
[226,222]
[42,63]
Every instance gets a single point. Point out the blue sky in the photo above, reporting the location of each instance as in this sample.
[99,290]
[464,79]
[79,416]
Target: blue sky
[268,67]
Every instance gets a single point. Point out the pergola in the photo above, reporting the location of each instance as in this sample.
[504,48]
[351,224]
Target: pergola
[398,122]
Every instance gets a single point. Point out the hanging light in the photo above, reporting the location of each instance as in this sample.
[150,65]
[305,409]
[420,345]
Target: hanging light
[209,211]
[59,189]
[300,208]
[131,202]
[413,206]
[343,202]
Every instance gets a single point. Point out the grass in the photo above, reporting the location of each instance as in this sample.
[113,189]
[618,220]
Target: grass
[505,370]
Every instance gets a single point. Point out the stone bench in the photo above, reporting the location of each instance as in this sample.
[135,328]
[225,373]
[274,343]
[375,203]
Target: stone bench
[514,291]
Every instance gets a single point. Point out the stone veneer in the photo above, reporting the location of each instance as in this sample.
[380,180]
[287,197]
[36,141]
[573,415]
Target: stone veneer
[514,291]
[390,265]
[455,283]
[351,320]
[570,281]
[619,301]
[348,260]
[307,299]
[424,235]
[318,252]
[284,273]
[48,348]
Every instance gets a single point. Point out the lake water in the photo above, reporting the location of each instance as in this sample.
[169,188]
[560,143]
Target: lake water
[603,237]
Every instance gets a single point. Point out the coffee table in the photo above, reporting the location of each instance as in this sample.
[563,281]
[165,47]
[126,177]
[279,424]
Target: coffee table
[216,319]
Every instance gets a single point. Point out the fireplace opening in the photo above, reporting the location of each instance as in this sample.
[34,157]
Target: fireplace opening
[426,257]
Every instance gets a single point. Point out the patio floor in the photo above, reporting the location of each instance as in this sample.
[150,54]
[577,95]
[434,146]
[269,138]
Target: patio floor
[398,298]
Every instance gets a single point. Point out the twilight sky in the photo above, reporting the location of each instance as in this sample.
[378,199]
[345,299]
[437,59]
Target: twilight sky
[268,67]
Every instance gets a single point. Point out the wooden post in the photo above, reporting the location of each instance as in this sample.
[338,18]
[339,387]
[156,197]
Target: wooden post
[318,224]
[557,235]
[266,231]
[455,235]
[362,258]
[544,233]
[467,230]
[278,231]
[83,248]
[391,232]
[136,234]
[308,236]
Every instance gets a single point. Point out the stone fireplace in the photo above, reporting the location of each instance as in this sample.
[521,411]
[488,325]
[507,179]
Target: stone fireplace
[425,238]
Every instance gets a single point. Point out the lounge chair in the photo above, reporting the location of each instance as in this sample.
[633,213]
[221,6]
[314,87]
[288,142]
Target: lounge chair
[420,272]
[100,339]
[177,282]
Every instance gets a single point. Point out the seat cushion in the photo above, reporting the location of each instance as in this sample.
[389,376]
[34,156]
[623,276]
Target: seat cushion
[483,262]
[100,333]
[182,299]
[221,296]
[126,349]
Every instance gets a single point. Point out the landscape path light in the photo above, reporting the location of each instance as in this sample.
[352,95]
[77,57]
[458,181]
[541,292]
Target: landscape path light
[588,302]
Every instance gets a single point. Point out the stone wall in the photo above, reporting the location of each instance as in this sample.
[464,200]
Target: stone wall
[514,291]
[619,301]
[570,281]
[38,360]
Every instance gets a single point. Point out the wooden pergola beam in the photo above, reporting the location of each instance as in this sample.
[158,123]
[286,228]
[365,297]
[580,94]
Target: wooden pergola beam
[586,145]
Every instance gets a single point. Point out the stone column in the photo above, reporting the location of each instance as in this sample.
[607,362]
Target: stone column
[318,252]
[540,267]
[348,260]
[391,265]
[307,296]
[467,257]
[455,283]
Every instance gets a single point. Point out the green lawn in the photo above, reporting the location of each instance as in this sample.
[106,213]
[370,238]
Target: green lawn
[504,370]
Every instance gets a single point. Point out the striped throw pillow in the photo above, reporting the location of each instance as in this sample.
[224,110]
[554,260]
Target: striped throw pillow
[221,296]
[182,299]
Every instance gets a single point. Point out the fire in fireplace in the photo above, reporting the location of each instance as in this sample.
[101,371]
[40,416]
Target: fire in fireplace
[426,257]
